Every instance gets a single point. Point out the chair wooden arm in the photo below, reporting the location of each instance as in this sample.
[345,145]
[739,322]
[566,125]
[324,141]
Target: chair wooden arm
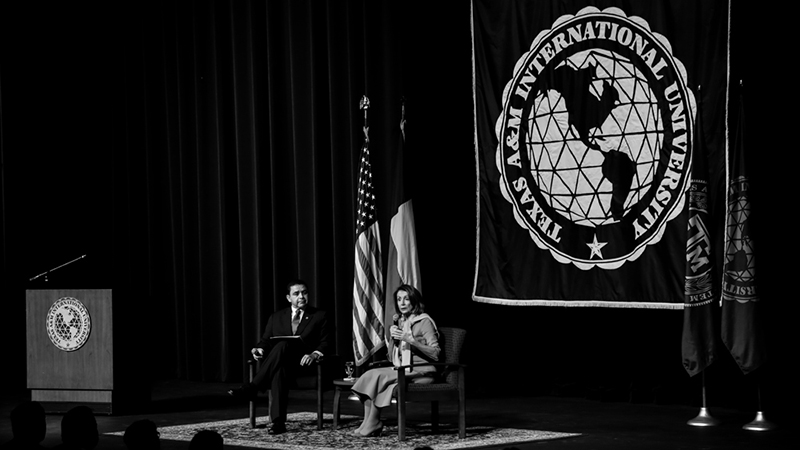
[435,364]
[382,363]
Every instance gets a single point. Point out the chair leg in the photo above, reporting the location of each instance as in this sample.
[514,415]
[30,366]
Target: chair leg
[401,405]
[252,402]
[462,405]
[252,413]
[319,396]
[435,416]
[401,420]
[462,420]
[336,398]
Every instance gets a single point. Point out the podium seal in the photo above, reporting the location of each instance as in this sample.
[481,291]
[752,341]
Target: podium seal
[68,324]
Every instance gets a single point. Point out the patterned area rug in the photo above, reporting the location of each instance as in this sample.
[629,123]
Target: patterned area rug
[302,434]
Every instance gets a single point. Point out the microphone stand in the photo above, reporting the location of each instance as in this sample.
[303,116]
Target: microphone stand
[45,274]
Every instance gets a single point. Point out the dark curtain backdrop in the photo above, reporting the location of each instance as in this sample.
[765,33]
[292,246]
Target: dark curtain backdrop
[203,153]
[239,156]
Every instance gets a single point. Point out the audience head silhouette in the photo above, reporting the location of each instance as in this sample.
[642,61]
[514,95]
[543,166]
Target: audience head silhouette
[142,435]
[28,424]
[206,440]
[79,429]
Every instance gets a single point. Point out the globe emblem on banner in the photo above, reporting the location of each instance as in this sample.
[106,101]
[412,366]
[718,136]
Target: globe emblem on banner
[68,324]
[739,275]
[594,138]
[567,171]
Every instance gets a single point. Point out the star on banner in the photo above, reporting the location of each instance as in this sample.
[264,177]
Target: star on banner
[596,247]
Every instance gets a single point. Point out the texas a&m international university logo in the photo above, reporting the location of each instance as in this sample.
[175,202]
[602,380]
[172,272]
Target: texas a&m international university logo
[68,324]
[594,138]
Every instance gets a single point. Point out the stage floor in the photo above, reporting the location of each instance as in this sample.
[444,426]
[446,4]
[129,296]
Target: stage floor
[601,425]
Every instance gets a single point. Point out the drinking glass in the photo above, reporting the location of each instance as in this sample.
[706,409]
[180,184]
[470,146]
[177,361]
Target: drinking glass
[348,369]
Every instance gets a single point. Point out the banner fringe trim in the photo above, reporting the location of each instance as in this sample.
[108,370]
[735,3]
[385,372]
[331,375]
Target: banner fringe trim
[578,303]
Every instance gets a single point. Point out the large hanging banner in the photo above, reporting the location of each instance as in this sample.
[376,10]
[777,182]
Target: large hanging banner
[584,124]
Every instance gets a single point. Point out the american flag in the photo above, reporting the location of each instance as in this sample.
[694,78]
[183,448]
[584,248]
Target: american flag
[368,280]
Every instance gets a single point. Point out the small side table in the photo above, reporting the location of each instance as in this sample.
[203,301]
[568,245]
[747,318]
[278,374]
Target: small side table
[340,386]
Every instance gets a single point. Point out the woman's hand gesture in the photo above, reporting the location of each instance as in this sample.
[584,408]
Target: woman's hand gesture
[400,335]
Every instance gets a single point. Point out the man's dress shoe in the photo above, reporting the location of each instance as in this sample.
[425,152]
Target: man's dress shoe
[277,428]
[242,393]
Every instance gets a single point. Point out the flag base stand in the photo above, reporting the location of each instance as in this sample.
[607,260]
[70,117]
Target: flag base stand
[760,424]
[704,419]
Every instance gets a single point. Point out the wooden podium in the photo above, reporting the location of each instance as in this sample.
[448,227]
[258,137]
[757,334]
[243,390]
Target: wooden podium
[71,350]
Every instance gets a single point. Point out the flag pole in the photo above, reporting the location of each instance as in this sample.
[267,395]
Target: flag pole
[364,105]
[704,419]
[368,328]
[698,346]
[760,423]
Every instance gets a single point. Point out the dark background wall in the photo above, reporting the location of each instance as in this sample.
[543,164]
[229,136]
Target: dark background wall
[84,172]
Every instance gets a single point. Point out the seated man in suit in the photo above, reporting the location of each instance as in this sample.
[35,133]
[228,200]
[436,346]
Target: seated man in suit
[283,356]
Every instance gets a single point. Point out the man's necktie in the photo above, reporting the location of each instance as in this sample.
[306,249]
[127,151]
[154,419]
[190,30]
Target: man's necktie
[296,321]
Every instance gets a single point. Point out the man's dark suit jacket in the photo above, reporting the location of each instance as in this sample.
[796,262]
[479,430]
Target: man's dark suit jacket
[313,330]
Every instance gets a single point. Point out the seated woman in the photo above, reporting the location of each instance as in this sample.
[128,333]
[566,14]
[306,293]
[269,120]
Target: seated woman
[414,341]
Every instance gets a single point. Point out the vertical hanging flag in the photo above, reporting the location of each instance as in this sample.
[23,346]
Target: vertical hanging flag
[698,342]
[368,278]
[583,145]
[741,310]
[403,264]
